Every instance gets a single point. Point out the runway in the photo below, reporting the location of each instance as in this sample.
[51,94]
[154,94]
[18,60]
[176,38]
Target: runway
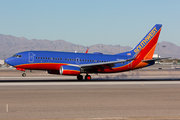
[71,99]
[122,96]
[85,83]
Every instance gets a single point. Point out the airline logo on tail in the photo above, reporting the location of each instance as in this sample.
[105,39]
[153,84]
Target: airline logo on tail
[146,40]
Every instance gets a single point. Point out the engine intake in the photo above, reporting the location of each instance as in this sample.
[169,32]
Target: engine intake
[69,70]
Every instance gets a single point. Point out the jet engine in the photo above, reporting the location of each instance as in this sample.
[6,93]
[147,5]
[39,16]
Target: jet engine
[69,70]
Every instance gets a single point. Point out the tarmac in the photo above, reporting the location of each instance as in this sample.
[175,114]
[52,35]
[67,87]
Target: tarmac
[41,96]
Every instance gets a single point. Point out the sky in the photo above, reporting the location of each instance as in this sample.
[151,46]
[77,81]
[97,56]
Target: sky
[89,22]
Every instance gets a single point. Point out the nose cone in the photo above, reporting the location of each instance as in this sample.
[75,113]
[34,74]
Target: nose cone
[9,61]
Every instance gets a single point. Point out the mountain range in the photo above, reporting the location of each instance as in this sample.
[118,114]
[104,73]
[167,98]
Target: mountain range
[11,45]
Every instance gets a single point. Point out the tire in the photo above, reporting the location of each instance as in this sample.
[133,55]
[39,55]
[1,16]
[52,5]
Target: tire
[24,74]
[79,77]
[87,77]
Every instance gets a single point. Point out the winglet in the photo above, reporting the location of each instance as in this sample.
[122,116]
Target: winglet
[87,50]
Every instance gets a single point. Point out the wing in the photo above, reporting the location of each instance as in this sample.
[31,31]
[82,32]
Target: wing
[102,65]
[105,65]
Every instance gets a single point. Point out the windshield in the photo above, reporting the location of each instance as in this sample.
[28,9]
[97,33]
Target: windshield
[17,56]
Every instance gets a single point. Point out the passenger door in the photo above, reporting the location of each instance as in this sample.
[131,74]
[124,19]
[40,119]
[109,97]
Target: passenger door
[31,57]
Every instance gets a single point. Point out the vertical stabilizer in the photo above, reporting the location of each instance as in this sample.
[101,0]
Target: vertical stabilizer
[146,47]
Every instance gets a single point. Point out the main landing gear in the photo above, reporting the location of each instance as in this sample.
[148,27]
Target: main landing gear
[80,77]
[87,77]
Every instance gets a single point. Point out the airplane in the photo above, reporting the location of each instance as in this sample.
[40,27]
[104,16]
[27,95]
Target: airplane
[69,63]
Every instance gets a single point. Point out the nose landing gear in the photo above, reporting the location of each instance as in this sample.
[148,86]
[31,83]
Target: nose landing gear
[24,74]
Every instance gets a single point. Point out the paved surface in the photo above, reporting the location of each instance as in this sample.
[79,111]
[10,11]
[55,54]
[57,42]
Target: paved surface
[130,96]
[103,100]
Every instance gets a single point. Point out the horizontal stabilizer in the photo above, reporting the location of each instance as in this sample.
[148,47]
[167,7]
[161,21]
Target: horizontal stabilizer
[150,60]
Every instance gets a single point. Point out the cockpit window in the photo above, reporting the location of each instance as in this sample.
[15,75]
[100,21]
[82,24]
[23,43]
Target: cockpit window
[17,56]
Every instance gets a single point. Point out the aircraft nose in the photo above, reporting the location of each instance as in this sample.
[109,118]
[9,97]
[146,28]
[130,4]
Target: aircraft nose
[8,61]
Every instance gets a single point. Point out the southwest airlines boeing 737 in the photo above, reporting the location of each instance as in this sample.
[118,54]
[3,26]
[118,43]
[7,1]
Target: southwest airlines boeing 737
[69,63]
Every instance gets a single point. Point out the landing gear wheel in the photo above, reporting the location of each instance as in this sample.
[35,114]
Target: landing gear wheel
[79,77]
[24,74]
[87,77]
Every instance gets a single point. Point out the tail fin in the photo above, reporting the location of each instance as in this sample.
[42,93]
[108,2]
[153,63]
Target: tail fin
[147,45]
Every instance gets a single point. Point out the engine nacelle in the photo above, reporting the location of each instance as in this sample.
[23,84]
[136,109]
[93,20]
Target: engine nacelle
[53,72]
[69,70]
